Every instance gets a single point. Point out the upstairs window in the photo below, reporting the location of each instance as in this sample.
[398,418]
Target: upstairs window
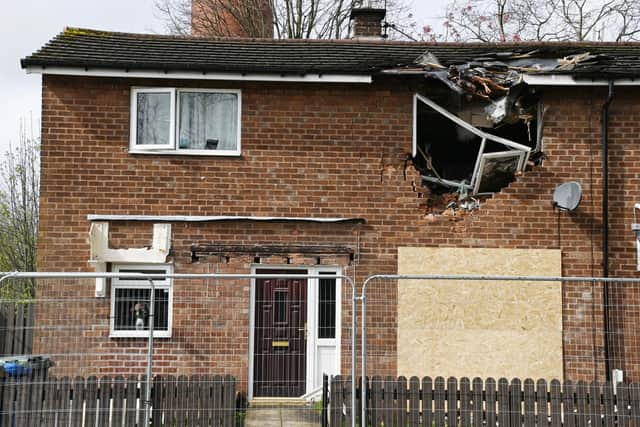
[185,121]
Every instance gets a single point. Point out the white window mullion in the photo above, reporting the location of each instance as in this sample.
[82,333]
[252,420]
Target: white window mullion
[173,111]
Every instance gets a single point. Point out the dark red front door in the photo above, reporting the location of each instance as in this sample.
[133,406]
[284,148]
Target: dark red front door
[279,367]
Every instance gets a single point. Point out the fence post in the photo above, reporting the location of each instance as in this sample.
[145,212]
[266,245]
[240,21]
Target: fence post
[325,399]
[147,391]
[354,308]
[363,391]
[363,299]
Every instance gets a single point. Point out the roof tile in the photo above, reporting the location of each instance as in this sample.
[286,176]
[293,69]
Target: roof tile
[76,47]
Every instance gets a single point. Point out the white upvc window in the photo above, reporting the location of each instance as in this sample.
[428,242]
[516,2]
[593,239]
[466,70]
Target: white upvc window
[130,302]
[185,121]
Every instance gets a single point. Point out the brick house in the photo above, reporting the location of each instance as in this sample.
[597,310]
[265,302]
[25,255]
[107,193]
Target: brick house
[196,155]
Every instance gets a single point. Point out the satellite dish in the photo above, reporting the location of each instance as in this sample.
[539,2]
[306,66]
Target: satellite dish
[567,196]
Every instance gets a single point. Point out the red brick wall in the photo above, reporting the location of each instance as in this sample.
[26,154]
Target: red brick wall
[329,150]
[367,22]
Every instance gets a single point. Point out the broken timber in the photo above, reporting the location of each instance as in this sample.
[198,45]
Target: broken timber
[261,250]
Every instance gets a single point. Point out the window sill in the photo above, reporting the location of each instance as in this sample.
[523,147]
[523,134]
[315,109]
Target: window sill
[206,153]
[139,334]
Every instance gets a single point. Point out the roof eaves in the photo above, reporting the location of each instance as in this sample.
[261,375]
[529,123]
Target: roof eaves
[177,68]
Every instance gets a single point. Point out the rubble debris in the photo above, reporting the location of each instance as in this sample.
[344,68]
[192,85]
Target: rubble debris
[494,74]
[488,128]
[453,204]
[469,204]
[571,62]
[535,159]
[429,60]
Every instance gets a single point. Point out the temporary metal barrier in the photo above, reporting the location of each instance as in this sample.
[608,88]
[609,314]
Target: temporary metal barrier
[68,301]
[593,323]
[599,339]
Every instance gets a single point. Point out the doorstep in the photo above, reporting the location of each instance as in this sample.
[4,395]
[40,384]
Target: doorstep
[285,413]
[258,402]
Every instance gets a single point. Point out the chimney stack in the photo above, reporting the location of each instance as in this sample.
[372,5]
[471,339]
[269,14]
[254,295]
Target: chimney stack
[231,18]
[366,23]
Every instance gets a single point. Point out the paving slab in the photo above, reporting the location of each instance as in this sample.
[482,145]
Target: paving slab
[282,416]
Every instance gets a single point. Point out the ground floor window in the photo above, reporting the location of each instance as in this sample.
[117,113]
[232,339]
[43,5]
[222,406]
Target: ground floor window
[131,298]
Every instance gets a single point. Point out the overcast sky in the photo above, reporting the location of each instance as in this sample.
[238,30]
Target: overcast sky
[29,24]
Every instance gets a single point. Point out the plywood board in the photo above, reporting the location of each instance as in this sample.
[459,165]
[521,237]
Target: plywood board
[477,328]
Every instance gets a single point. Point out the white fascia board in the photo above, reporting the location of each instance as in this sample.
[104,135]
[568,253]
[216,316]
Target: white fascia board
[199,75]
[457,120]
[195,218]
[567,80]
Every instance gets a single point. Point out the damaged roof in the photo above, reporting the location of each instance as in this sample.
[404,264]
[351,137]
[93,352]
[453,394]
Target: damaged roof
[85,48]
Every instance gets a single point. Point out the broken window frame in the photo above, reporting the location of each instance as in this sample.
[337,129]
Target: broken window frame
[539,127]
[523,150]
[490,156]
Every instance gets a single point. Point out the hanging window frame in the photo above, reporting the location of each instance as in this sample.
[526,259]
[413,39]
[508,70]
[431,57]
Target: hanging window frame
[487,157]
[513,148]
[173,148]
[161,284]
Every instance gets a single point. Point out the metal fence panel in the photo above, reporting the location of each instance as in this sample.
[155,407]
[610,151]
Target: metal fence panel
[576,330]
[226,349]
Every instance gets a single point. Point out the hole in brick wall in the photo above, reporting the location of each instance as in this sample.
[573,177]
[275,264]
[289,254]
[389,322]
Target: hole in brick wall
[256,260]
[456,149]
[467,150]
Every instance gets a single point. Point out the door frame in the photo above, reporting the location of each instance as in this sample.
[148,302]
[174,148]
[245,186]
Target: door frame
[312,317]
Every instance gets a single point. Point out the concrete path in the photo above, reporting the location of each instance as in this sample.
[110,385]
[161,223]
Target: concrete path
[282,416]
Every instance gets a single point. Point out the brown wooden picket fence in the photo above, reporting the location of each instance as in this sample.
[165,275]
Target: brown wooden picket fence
[16,328]
[199,401]
[393,401]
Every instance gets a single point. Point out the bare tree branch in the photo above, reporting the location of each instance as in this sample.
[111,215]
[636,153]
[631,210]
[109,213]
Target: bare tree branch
[291,18]
[542,20]
[19,207]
